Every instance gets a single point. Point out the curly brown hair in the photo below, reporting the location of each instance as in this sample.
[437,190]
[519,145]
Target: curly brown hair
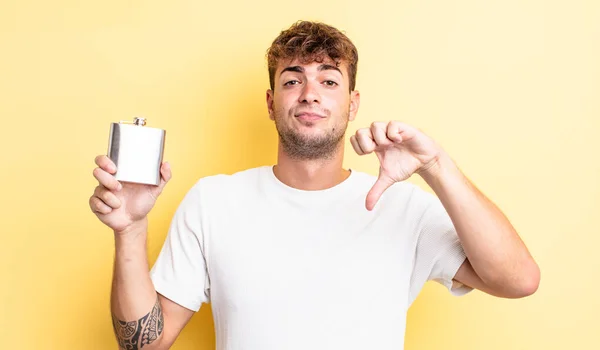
[313,42]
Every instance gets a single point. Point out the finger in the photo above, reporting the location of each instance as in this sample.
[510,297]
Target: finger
[166,174]
[98,206]
[107,197]
[379,132]
[356,146]
[401,131]
[107,180]
[166,171]
[394,132]
[382,184]
[365,140]
[106,164]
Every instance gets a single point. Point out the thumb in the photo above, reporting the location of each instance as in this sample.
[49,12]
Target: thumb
[382,184]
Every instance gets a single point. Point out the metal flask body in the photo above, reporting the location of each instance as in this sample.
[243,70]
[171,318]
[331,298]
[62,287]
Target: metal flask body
[137,151]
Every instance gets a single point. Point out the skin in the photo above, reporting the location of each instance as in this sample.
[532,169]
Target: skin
[322,89]
[498,261]
[311,106]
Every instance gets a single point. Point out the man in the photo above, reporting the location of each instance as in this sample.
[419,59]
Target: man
[305,254]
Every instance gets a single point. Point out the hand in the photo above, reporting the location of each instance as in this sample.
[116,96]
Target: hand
[402,151]
[120,205]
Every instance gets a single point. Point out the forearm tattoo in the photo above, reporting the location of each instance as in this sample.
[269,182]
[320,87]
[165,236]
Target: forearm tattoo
[135,335]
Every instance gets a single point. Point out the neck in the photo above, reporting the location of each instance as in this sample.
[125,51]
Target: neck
[311,175]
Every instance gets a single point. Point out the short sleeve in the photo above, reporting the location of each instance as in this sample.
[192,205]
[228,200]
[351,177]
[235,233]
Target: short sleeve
[179,272]
[439,253]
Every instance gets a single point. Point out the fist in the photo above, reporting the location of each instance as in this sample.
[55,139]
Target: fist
[401,149]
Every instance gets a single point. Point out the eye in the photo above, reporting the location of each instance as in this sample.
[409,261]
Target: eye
[330,83]
[292,82]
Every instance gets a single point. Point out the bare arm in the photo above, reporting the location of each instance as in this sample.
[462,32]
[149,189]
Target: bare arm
[140,316]
[498,260]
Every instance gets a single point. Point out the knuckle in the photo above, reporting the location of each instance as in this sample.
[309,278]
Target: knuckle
[377,125]
[107,197]
[103,209]
[366,138]
[116,202]
[100,192]
[95,204]
[362,132]
[103,162]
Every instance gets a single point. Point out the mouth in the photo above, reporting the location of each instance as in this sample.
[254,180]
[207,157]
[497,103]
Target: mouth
[309,116]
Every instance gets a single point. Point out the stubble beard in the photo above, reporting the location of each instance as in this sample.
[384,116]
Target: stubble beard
[315,147]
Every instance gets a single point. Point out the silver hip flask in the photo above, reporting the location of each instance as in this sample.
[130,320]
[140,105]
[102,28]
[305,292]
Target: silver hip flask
[137,151]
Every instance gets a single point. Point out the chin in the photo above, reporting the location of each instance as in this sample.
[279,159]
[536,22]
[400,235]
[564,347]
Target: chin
[311,131]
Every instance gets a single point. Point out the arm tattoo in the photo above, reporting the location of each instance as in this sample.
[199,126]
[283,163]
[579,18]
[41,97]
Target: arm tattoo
[134,335]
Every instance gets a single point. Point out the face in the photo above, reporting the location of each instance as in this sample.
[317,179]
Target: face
[311,105]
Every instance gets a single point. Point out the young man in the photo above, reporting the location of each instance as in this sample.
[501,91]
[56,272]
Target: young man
[305,254]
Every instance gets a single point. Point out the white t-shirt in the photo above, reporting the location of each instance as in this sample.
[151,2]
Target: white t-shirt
[287,269]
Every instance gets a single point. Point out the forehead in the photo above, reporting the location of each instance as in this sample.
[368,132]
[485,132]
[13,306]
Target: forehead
[311,66]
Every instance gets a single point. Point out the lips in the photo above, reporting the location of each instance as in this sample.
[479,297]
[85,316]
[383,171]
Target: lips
[309,116]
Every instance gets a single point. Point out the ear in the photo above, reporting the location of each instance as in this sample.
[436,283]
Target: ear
[270,98]
[354,103]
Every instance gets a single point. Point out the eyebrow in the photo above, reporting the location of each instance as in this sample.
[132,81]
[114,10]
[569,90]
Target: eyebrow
[322,67]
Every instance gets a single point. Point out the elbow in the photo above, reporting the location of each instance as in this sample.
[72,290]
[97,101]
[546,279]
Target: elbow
[515,285]
[528,282]
[533,280]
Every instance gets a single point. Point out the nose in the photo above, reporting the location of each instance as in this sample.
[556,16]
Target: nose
[309,93]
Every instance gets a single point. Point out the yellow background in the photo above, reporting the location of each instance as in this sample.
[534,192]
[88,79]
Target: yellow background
[511,89]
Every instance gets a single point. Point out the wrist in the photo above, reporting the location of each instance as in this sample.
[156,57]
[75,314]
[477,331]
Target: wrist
[137,229]
[441,170]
